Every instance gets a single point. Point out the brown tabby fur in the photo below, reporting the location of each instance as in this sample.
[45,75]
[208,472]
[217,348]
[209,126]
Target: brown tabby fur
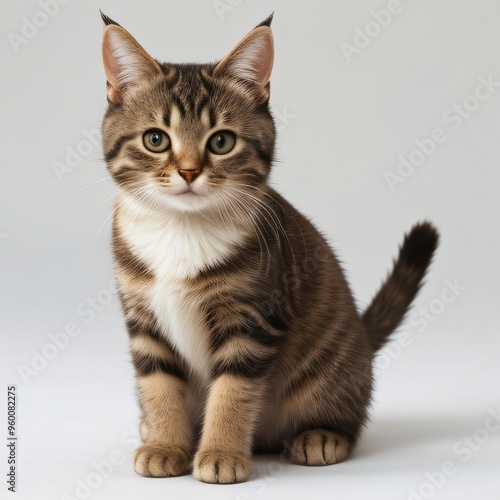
[284,357]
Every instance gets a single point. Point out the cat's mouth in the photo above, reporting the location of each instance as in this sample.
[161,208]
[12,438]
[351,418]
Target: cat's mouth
[189,196]
[181,190]
[187,192]
[186,198]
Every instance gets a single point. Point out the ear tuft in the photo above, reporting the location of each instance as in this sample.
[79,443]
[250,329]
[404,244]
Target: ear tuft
[107,20]
[267,22]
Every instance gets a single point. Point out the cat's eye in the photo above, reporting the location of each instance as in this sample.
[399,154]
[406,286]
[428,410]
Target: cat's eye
[156,141]
[222,143]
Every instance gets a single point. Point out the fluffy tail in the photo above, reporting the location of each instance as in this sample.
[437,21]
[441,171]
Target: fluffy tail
[396,294]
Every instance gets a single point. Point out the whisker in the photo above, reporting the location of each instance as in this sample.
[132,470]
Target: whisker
[278,220]
[91,184]
[244,204]
[103,203]
[100,229]
[277,224]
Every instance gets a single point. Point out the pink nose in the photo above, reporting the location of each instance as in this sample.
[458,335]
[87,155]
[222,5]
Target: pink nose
[189,175]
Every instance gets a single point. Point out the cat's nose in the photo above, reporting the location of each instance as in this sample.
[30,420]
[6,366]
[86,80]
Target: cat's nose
[189,175]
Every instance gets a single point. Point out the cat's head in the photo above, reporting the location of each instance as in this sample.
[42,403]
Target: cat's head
[188,136]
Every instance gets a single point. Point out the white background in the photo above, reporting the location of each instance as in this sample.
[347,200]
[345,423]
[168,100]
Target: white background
[351,121]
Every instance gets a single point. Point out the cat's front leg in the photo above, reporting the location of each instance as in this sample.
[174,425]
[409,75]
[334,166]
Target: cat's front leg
[224,455]
[162,387]
[243,357]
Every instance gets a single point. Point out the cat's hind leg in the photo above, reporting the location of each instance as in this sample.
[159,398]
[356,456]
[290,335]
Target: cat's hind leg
[319,447]
[326,408]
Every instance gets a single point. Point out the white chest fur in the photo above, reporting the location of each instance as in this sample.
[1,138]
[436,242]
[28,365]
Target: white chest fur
[176,247]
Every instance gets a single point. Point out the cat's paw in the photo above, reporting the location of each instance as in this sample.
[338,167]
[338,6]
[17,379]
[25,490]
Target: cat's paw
[319,447]
[162,461]
[214,466]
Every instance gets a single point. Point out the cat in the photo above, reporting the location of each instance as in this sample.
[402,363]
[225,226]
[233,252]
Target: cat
[243,330]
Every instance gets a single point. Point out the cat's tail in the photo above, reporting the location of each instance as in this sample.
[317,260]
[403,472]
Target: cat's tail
[397,292]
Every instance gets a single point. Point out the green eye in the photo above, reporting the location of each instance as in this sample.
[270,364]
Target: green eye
[222,143]
[156,141]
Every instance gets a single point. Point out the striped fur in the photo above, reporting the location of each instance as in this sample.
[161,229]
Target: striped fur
[243,330]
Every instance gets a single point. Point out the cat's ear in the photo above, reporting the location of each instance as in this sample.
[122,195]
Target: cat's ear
[252,59]
[126,63]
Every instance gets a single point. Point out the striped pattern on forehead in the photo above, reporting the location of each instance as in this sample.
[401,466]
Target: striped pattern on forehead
[189,87]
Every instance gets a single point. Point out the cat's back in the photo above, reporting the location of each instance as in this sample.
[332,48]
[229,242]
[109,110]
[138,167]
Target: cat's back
[306,249]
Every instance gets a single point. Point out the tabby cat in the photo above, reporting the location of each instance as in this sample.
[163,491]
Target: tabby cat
[243,330]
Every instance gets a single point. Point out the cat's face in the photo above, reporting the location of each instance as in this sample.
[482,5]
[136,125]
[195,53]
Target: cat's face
[188,136]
